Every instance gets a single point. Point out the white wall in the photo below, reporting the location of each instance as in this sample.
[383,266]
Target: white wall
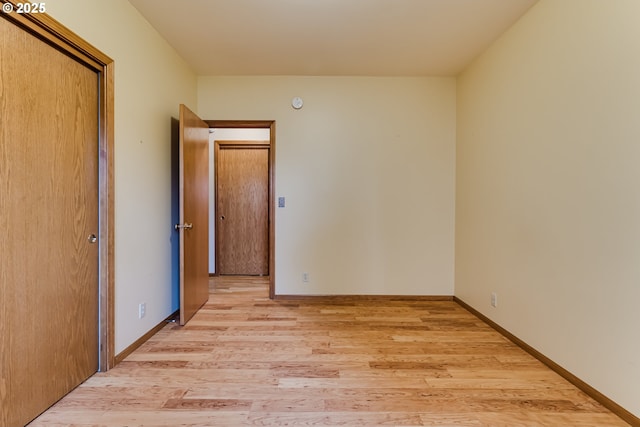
[367,168]
[151,80]
[224,134]
[548,207]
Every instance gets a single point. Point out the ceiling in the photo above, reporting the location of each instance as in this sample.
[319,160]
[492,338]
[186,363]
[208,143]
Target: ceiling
[331,37]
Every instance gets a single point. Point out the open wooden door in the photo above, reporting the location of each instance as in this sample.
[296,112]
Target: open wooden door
[194,213]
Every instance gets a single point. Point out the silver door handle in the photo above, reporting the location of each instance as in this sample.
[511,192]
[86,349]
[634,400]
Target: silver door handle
[185,226]
[92,238]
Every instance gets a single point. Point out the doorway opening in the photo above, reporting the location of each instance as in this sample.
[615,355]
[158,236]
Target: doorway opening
[243,152]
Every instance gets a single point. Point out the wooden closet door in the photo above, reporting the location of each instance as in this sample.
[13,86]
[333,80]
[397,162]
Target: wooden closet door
[242,224]
[48,214]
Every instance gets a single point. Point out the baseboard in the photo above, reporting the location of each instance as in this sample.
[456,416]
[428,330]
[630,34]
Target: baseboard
[137,343]
[589,390]
[365,297]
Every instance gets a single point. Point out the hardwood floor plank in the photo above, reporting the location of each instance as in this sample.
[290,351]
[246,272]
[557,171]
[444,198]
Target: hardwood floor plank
[247,360]
[281,404]
[232,405]
[333,419]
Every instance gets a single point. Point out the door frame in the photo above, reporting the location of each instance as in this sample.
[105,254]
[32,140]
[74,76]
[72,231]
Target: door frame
[258,124]
[52,32]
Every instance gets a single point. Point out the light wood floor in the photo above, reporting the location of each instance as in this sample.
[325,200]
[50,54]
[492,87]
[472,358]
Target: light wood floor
[246,360]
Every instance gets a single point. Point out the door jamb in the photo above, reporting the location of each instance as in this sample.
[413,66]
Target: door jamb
[51,31]
[271,125]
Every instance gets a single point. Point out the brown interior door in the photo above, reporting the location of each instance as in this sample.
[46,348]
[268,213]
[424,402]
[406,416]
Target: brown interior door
[48,213]
[242,203]
[194,213]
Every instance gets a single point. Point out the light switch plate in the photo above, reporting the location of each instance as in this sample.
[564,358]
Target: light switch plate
[281,202]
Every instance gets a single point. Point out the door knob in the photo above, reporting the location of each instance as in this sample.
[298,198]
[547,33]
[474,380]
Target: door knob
[92,238]
[221,216]
[185,226]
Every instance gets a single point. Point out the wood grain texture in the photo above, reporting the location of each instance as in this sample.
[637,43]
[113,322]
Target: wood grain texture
[106,216]
[242,208]
[48,208]
[246,360]
[47,28]
[194,209]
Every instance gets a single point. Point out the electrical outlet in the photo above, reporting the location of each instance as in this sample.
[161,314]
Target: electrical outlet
[305,277]
[142,310]
[494,299]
